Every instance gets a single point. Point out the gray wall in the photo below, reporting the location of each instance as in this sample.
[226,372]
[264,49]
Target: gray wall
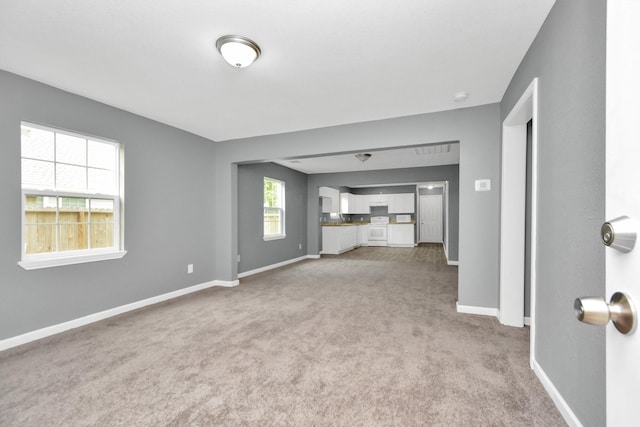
[254,251]
[435,173]
[169,215]
[478,131]
[568,56]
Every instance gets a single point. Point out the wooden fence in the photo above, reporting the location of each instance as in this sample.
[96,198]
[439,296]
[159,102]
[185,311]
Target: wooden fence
[74,230]
[272,223]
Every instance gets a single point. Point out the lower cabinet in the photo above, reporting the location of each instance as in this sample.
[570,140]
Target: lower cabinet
[363,235]
[400,235]
[339,239]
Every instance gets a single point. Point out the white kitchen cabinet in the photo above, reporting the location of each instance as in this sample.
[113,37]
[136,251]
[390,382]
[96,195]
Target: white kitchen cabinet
[362,204]
[347,203]
[402,203]
[339,239]
[330,199]
[378,199]
[363,235]
[400,235]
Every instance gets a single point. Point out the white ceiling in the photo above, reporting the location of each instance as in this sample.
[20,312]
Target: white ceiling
[323,63]
[407,157]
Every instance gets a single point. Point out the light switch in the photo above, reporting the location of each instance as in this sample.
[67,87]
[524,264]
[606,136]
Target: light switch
[483,184]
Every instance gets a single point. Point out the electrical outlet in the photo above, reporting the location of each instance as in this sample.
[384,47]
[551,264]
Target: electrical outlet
[189,268]
[299,245]
[238,257]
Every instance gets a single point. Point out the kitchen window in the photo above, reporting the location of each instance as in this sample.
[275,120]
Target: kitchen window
[71,198]
[274,213]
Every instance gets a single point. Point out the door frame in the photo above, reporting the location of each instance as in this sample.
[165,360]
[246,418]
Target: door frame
[442,212]
[512,211]
[445,209]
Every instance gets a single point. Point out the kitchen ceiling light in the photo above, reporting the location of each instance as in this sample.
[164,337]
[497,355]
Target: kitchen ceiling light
[363,157]
[238,51]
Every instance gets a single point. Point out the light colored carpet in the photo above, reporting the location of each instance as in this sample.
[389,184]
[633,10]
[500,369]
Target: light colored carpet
[368,338]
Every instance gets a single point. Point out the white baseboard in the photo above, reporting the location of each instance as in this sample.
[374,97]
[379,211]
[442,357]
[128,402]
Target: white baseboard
[223,283]
[470,309]
[527,321]
[555,395]
[279,264]
[451,262]
[25,338]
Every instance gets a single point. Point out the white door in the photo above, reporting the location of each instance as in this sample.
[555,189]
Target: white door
[623,198]
[431,218]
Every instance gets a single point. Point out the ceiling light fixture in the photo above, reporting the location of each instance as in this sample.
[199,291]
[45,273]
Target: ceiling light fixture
[363,157]
[238,51]
[429,187]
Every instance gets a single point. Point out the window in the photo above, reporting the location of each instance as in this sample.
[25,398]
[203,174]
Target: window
[71,198]
[273,209]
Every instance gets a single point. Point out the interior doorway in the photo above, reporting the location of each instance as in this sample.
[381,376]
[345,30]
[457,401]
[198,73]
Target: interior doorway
[431,219]
[439,233]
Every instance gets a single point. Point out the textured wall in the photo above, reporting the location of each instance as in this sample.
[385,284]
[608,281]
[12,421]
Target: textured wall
[568,57]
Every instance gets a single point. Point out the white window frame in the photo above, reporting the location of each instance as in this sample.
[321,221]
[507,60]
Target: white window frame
[282,234]
[60,258]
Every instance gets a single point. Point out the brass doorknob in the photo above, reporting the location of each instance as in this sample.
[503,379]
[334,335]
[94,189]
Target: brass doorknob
[595,311]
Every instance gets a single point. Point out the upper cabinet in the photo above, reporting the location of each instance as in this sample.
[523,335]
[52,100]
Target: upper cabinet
[378,199]
[402,203]
[362,205]
[348,203]
[330,199]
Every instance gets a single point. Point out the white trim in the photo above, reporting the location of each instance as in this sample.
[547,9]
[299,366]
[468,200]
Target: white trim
[95,317]
[470,309]
[449,261]
[446,216]
[514,129]
[555,395]
[279,264]
[274,237]
[70,260]
[222,283]
[52,259]
[484,311]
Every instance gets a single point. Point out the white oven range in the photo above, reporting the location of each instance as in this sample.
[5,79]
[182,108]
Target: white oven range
[377,231]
